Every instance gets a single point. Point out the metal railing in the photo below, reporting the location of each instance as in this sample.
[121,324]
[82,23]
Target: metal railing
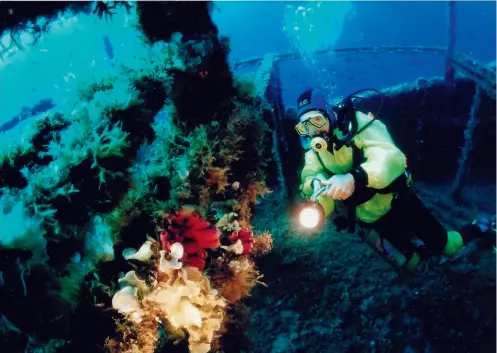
[340,51]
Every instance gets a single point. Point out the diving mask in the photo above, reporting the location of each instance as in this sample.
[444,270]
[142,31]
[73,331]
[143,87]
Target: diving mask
[316,119]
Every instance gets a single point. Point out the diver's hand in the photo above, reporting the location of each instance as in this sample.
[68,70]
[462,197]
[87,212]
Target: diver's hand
[341,186]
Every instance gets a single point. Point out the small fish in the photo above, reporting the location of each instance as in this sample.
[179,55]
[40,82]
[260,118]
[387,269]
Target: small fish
[108,47]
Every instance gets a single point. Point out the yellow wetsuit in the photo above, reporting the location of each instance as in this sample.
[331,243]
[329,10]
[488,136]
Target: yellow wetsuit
[383,163]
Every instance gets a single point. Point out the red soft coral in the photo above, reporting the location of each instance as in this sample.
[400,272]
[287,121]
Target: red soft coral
[246,237]
[194,233]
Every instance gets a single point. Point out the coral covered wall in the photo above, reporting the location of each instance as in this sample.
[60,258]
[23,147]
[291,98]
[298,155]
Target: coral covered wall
[130,206]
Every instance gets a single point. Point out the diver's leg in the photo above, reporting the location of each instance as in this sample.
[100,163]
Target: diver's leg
[421,221]
[425,226]
[391,227]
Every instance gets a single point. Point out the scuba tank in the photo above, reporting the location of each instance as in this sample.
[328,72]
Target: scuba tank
[389,253]
[342,117]
[384,248]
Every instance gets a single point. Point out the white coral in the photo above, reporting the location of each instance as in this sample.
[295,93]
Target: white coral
[236,248]
[143,254]
[189,302]
[126,302]
[171,261]
[131,279]
[229,223]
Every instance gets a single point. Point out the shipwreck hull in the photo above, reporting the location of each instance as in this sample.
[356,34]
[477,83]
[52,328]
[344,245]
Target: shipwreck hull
[429,123]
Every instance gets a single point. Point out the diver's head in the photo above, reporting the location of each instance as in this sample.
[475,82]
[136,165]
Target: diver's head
[313,114]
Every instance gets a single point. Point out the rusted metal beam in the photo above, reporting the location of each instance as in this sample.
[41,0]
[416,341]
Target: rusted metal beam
[341,51]
[263,75]
[482,75]
[263,79]
[460,179]
[449,69]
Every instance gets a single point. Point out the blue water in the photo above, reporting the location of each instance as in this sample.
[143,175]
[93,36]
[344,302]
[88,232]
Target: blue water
[44,71]
[368,23]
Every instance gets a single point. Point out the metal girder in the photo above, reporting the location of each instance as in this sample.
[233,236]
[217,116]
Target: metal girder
[342,51]
[451,47]
[463,169]
[263,75]
[482,75]
[262,90]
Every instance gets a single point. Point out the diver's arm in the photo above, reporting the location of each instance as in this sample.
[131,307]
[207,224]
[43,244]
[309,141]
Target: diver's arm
[311,173]
[384,162]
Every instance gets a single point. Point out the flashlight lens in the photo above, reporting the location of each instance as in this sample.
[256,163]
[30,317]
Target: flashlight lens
[309,217]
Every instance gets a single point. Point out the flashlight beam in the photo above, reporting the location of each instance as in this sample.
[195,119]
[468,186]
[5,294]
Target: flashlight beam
[310,217]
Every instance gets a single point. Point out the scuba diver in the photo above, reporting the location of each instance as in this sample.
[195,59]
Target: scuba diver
[351,158]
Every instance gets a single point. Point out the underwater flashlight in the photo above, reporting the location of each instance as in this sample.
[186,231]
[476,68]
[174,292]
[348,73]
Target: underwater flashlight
[311,214]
